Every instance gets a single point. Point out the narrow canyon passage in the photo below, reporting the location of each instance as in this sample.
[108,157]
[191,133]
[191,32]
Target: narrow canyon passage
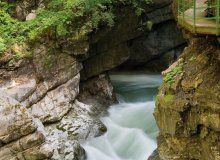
[131,126]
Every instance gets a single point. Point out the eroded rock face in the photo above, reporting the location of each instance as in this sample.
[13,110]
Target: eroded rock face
[40,116]
[188,103]
[15,120]
[56,103]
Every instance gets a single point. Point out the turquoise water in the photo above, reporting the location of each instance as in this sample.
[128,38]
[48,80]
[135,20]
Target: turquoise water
[131,127]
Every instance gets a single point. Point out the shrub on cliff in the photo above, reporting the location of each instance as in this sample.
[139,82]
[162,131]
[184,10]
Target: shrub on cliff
[72,19]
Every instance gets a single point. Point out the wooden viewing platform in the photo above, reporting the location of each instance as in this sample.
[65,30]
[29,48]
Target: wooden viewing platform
[194,19]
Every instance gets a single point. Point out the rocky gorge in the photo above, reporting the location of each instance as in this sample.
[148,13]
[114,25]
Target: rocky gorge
[52,99]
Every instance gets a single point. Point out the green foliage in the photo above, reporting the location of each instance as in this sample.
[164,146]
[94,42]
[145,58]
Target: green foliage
[170,75]
[60,18]
[9,28]
[2,45]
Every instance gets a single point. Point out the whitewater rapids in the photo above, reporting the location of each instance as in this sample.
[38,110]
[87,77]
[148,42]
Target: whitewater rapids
[131,127]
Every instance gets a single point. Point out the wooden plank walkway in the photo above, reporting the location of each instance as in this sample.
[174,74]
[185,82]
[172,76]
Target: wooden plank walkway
[202,24]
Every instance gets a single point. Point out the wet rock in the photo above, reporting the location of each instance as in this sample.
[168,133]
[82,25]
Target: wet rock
[77,126]
[70,150]
[97,92]
[80,125]
[154,156]
[63,148]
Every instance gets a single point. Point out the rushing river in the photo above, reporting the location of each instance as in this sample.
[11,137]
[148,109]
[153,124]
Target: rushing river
[131,127]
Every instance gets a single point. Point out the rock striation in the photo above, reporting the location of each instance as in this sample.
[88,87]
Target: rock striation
[187,108]
[41,117]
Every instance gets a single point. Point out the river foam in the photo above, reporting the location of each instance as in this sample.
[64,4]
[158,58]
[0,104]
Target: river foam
[131,127]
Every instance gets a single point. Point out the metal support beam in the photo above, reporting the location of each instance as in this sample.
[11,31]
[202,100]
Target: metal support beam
[191,16]
[217,18]
[194,16]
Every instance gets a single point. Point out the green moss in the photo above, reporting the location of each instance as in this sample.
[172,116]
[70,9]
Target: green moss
[169,77]
[165,100]
[168,98]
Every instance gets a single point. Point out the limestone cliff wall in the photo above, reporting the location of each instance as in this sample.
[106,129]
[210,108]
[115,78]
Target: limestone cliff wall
[187,105]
